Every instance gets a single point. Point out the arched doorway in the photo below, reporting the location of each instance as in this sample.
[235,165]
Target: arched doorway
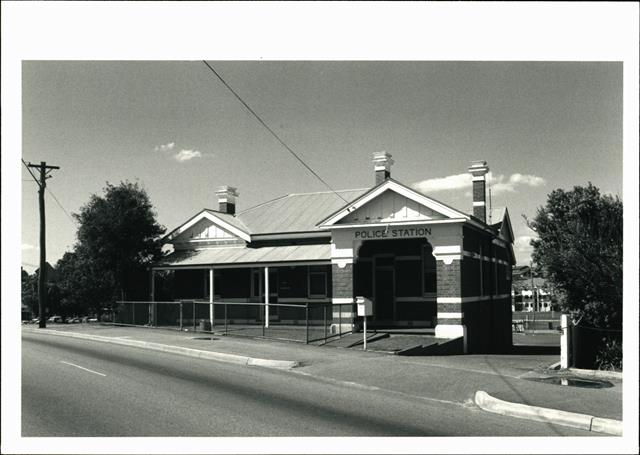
[399,276]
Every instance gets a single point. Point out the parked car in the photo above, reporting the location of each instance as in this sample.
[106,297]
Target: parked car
[74,320]
[55,319]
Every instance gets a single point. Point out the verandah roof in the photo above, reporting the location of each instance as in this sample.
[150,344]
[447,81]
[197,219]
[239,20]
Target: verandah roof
[244,256]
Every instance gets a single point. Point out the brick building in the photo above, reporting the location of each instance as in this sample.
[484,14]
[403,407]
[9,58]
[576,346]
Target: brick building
[421,262]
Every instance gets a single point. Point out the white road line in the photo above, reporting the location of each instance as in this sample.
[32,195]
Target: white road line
[82,368]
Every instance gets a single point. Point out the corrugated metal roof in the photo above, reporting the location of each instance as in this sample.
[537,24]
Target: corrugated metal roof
[295,212]
[232,220]
[245,255]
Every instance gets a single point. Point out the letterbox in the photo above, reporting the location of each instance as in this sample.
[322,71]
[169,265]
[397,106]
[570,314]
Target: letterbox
[365,306]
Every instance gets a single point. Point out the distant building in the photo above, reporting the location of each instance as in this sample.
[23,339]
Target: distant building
[421,262]
[530,292]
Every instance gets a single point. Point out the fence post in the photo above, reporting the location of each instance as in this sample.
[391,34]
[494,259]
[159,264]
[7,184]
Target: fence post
[133,313]
[113,316]
[155,314]
[306,308]
[565,342]
[181,316]
[225,318]
[265,315]
[194,315]
[340,321]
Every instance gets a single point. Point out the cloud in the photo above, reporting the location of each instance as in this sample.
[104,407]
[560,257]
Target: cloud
[452,182]
[498,183]
[522,243]
[186,155]
[523,249]
[529,180]
[165,147]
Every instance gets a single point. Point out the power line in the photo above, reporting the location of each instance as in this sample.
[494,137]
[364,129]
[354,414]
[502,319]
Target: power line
[271,131]
[60,205]
[29,170]
[50,192]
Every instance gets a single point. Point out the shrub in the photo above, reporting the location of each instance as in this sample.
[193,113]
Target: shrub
[609,357]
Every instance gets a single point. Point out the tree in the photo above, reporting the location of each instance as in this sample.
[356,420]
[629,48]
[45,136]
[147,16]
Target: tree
[579,249]
[30,291]
[118,238]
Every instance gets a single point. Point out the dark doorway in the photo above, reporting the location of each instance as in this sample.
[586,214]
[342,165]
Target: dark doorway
[399,276]
[384,294]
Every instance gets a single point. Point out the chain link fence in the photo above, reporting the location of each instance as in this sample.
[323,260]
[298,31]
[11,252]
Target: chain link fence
[306,322]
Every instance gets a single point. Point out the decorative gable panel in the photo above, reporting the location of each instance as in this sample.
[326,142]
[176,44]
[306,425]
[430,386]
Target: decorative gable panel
[391,206]
[205,231]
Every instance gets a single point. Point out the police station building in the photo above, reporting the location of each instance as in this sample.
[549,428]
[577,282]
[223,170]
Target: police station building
[421,262]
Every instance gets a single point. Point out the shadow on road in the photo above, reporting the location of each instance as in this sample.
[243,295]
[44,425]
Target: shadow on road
[535,350]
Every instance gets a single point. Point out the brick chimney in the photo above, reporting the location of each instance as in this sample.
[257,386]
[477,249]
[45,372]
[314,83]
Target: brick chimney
[382,166]
[227,199]
[478,170]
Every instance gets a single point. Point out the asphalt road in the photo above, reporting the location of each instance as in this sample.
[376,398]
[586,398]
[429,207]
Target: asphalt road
[82,388]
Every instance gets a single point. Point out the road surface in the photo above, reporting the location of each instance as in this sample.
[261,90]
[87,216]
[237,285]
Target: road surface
[76,387]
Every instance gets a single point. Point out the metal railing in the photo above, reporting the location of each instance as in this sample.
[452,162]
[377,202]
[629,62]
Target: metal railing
[306,322]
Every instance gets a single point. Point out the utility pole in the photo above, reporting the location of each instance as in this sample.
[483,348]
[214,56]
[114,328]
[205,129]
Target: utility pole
[42,283]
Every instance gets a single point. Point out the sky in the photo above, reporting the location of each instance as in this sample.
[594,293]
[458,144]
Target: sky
[113,91]
[173,127]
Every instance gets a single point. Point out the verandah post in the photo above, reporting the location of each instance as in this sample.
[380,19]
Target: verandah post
[307,319]
[211,293]
[266,298]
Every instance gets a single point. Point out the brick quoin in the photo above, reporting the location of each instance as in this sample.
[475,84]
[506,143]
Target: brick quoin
[342,280]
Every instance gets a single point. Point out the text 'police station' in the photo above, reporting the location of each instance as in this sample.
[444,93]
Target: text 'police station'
[393,233]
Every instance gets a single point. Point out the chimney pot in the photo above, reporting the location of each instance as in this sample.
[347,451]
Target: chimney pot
[227,199]
[382,166]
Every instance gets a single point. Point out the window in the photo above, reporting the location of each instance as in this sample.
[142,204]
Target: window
[317,281]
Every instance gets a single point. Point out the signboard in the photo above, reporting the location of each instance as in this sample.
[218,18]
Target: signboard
[392,233]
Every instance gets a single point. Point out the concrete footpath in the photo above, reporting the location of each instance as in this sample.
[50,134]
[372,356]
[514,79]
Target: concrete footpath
[514,385]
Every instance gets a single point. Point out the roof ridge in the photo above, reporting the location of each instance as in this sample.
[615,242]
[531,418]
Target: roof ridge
[327,192]
[297,194]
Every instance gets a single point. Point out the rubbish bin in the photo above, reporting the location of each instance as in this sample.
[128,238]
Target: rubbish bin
[205,326]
